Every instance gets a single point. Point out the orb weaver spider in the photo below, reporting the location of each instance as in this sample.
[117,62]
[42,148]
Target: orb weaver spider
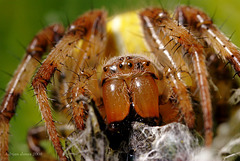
[172,76]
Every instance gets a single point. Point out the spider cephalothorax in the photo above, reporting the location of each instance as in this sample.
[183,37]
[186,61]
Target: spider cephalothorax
[153,88]
[125,81]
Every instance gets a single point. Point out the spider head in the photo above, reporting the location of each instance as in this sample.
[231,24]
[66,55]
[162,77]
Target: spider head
[130,89]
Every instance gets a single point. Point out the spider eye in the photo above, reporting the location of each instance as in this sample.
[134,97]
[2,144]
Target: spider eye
[129,65]
[113,68]
[105,69]
[128,57]
[120,65]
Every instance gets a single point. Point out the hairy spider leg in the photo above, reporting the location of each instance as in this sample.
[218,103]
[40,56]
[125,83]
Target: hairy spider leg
[195,51]
[37,134]
[84,30]
[43,41]
[198,20]
[78,76]
[83,74]
[163,52]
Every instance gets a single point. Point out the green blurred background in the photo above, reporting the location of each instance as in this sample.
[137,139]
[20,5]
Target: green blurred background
[20,20]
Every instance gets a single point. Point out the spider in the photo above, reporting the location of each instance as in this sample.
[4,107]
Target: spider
[149,88]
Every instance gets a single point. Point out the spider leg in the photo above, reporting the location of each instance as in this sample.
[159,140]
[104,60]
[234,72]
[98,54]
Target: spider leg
[195,51]
[202,23]
[156,42]
[38,134]
[86,31]
[38,46]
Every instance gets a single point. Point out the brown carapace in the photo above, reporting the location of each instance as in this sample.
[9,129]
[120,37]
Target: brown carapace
[154,66]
